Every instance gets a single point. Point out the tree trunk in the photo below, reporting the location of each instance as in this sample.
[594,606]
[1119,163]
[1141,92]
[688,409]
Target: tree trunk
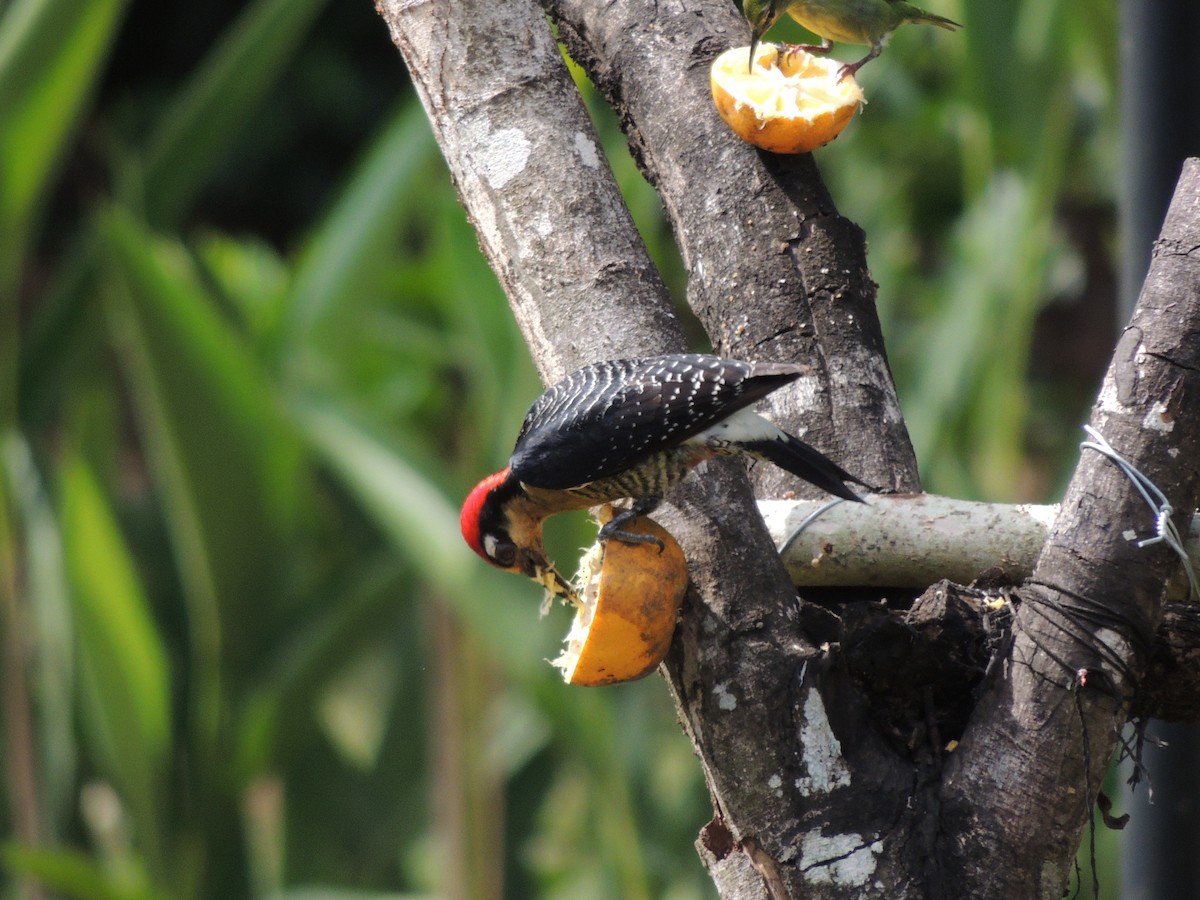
[826,780]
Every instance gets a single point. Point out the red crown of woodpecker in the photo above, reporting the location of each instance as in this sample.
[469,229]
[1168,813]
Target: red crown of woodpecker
[472,511]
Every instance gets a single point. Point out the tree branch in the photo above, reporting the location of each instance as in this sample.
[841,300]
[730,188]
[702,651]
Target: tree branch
[530,173]
[915,540]
[1041,735]
[794,770]
[508,131]
[774,272]
[811,798]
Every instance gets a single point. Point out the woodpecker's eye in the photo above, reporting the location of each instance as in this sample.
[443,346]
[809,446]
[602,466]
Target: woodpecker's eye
[501,550]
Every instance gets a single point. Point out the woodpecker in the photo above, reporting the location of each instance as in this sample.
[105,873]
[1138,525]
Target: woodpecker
[630,428]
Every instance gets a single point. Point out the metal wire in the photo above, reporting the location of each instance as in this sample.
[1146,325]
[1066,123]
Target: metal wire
[808,520]
[1165,530]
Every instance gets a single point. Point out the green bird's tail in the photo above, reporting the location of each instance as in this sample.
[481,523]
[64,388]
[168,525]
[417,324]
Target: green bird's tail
[920,17]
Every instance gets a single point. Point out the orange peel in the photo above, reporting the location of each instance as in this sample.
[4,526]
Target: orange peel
[631,594]
[788,102]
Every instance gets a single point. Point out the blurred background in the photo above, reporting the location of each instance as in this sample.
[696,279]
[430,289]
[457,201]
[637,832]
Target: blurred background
[251,359]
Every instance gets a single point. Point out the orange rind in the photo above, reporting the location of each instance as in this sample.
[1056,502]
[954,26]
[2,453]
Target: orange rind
[788,102]
[631,594]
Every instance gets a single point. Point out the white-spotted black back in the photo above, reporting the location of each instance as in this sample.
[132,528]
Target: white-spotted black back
[610,416]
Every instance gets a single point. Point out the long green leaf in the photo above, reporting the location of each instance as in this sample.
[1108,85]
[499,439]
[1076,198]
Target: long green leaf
[361,228]
[50,53]
[124,673]
[52,631]
[276,715]
[72,874]
[218,100]
[225,463]
[418,519]
[197,131]
[404,502]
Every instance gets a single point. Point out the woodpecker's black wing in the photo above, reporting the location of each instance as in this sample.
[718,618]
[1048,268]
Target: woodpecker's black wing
[609,416]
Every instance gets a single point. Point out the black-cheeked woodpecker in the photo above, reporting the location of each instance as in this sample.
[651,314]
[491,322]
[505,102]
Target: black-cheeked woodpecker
[630,428]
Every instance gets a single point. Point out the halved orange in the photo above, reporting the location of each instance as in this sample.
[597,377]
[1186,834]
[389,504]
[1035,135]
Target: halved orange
[789,102]
[631,595]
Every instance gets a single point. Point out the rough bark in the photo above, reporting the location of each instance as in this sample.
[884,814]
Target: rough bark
[548,216]
[820,788]
[529,170]
[1041,734]
[774,272]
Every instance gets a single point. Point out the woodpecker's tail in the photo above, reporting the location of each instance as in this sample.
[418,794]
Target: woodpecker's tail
[803,461]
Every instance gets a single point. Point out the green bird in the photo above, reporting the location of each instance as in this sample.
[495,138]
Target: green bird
[845,21]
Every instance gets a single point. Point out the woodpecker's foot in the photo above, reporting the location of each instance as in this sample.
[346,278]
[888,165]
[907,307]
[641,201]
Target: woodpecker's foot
[630,537]
[641,507]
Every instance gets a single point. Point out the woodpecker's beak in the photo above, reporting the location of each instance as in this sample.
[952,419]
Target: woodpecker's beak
[558,586]
[533,564]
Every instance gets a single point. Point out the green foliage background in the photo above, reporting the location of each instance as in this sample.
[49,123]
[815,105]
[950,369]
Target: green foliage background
[250,360]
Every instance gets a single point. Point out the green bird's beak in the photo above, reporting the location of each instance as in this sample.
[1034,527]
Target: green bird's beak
[753,47]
